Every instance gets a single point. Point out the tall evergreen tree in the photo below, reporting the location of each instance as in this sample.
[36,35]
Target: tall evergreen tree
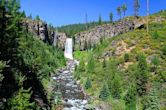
[100,20]
[10,29]
[104,92]
[111,17]
[119,11]
[152,102]
[136,8]
[142,74]
[124,9]
[91,64]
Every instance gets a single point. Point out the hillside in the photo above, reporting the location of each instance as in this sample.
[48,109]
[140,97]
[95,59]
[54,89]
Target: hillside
[127,71]
[26,63]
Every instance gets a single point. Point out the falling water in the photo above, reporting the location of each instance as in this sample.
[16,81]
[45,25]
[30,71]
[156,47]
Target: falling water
[69,48]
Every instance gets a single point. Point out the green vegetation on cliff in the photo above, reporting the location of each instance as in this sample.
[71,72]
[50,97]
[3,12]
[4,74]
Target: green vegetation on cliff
[132,65]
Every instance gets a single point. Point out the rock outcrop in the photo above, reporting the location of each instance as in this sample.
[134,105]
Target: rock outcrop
[45,32]
[92,37]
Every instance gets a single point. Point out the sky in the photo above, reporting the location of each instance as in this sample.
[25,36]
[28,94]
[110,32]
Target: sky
[63,12]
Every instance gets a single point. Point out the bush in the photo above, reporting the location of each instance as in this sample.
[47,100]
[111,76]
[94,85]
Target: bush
[155,35]
[88,83]
[130,96]
[104,92]
[141,74]
[164,50]
[126,57]
[21,101]
[152,101]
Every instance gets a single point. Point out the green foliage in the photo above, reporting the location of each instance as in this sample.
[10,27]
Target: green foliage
[88,83]
[77,73]
[136,7]
[155,63]
[42,58]
[119,11]
[126,57]
[111,17]
[124,8]
[73,29]
[114,79]
[91,64]
[142,74]
[152,101]
[100,20]
[81,66]
[21,101]
[2,65]
[130,96]
[104,65]
[37,18]
[104,92]
[164,50]
[155,35]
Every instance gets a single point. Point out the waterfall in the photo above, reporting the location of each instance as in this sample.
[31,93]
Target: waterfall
[69,48]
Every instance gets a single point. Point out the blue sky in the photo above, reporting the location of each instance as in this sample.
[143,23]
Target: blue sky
[62,12]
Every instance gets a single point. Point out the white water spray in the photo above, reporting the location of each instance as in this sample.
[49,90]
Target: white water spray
[69,48]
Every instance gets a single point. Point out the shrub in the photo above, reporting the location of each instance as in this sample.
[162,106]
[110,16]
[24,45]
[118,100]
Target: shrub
[104,92]
[126,57]
[130,96]
[164,50]
[155,63]
[21,101]
[155,35]
[152,101]
[141,74]
[88,83]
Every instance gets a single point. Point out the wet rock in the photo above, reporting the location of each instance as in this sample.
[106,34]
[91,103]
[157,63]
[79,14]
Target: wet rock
[73,96]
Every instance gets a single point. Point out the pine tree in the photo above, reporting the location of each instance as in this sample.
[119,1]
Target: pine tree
[104,92]
[119,11]
[142,74]
[21,101]
[114,80]
[91,64]
[136,8]
[10,29]
[130,96]
[153,101]
[100,20]
[111,17]
[88,83]
[124,9]
[38,19]
[155,63]
[126,57]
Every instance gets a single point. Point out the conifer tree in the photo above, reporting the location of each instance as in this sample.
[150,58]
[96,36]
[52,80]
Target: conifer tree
[130,96]
[142,74]
[119,11]
[88,83]
[124,9]
[152,102]
[104,92]
[111,17]
[10,29]
[155,63]
[91,64]
[21,101]
[100,20]
[136,8]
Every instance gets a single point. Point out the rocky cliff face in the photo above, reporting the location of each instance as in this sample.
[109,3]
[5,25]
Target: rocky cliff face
[92,37]
[44,32]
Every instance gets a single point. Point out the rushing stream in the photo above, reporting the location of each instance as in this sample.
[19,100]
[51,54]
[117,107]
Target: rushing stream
[72,94]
